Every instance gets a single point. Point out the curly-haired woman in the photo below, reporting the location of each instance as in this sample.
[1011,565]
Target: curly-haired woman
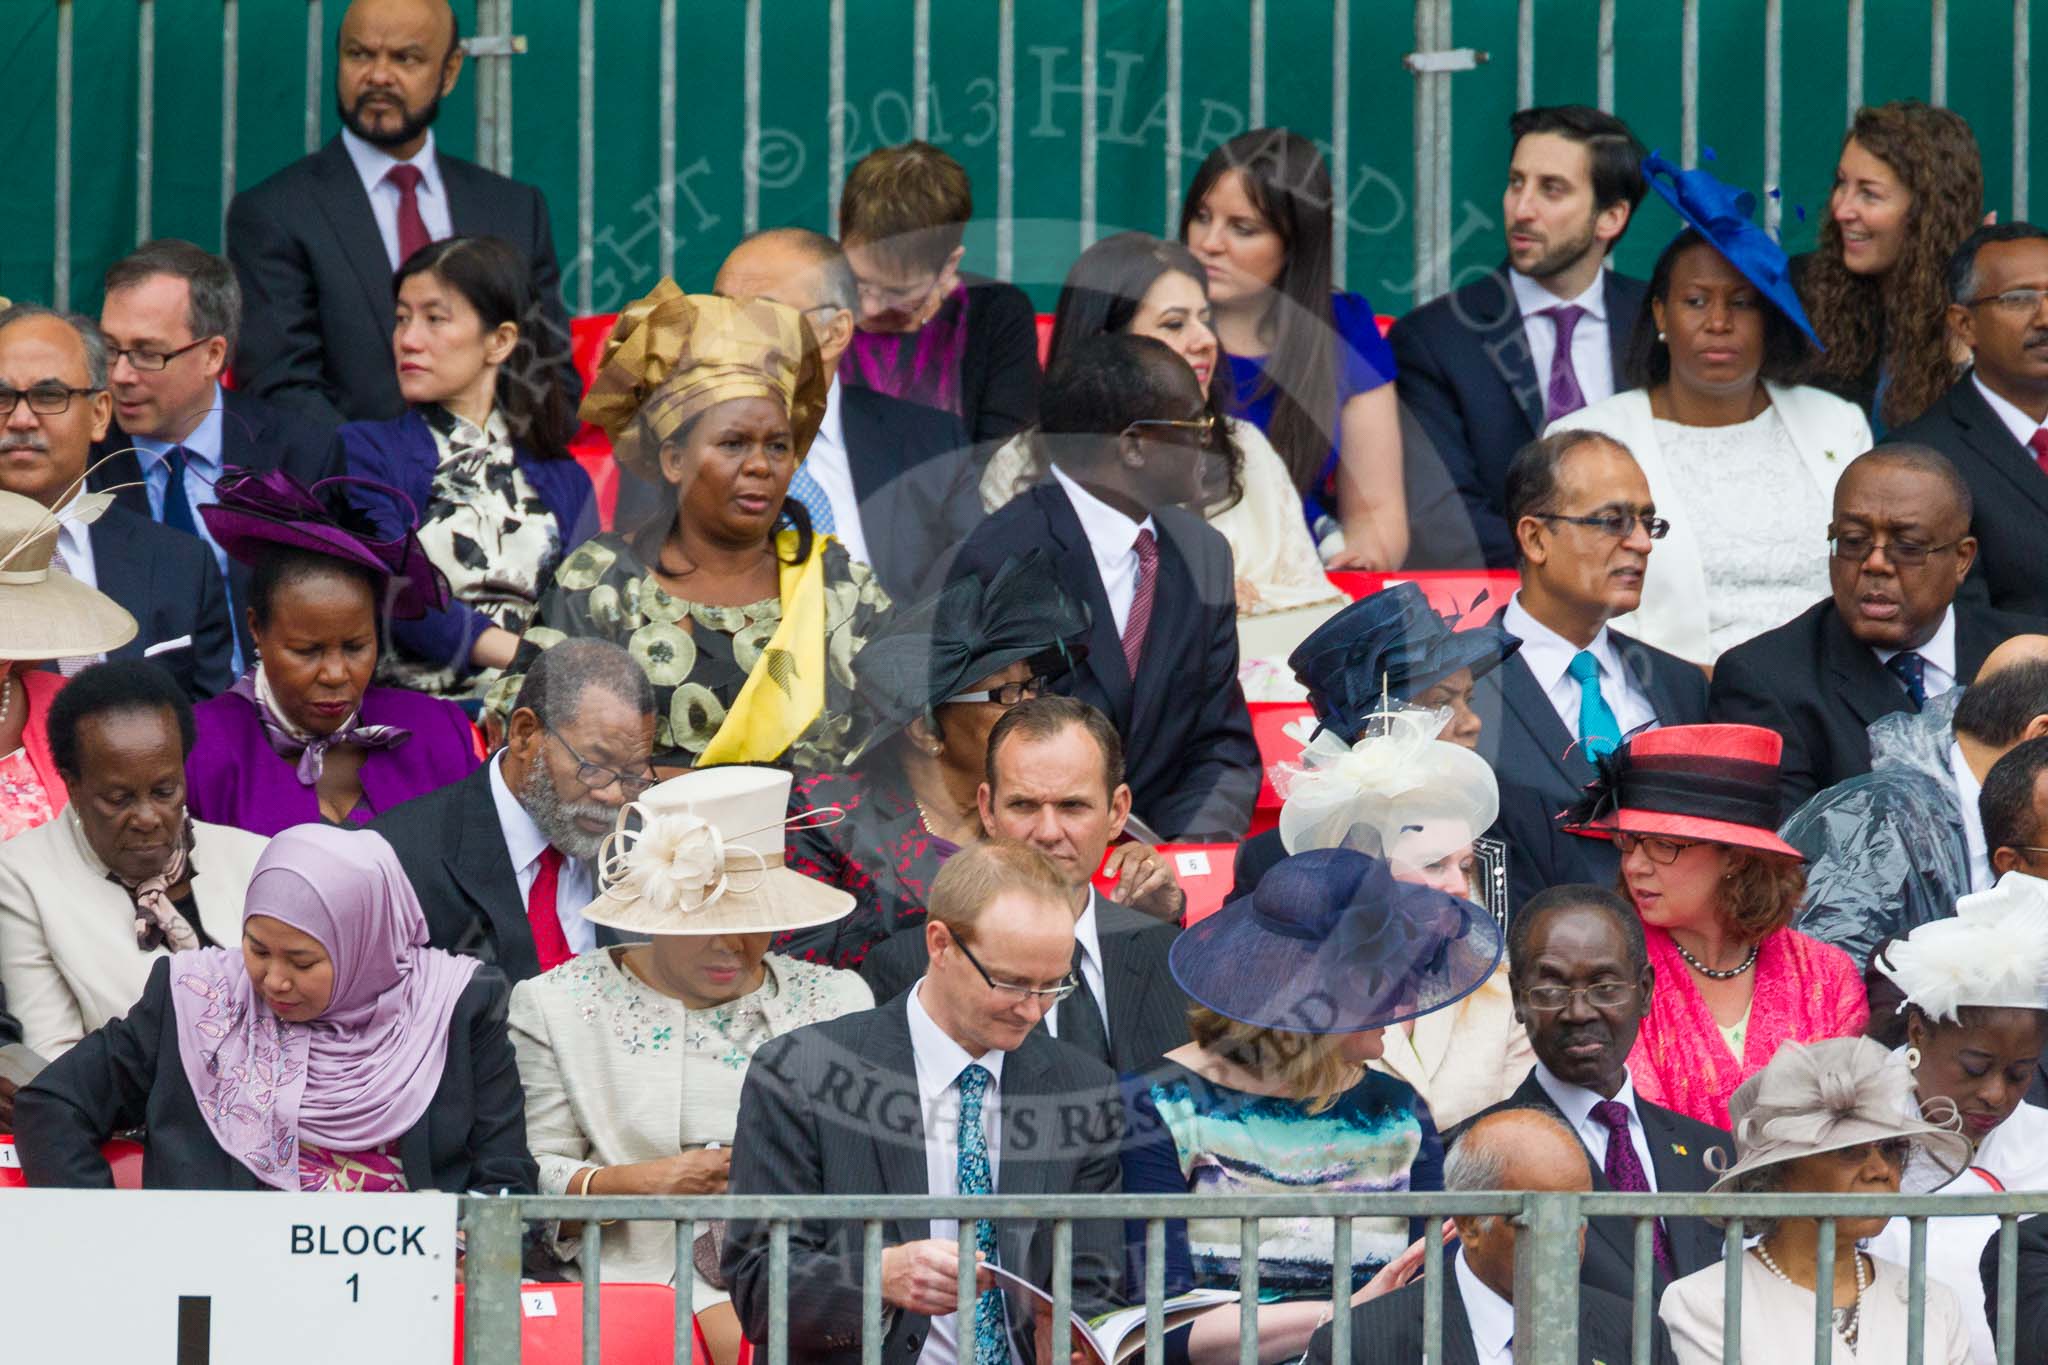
[1908,188]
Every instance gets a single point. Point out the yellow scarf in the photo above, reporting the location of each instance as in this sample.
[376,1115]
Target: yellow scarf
[786,690]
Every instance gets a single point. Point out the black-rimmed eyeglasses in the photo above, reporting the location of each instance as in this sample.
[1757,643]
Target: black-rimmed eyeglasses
[1619,525]
[1855,547]
[1601,995]
[596,777]
[47,400]
[148,362]
[1011,990]
[1661,851]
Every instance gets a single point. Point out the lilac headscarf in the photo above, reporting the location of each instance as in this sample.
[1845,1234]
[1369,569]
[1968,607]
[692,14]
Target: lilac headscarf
[363,1073]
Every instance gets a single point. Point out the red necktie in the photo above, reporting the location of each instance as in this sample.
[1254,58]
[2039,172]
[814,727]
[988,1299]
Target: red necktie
[2039,442]
[1140,619]
[412,229]
[549,942]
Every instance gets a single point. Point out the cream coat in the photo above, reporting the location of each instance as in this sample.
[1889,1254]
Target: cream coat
[1828,431]
[1777,1319]
[67,934]
[1465,1058]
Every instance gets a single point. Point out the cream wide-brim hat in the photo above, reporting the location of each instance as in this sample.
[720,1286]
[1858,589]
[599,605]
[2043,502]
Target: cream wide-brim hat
[45,613]
[702,854]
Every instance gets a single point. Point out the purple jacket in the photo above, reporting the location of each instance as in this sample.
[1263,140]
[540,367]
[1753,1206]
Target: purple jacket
[402,453]
[234,777]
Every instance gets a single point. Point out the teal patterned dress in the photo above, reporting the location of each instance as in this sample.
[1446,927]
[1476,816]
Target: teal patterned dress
[1192,1135]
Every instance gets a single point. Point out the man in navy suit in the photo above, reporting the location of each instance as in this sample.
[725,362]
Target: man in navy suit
[1585,530]
[53,387]
[1123,421]
[171,316]
[1485,368]
[316,244]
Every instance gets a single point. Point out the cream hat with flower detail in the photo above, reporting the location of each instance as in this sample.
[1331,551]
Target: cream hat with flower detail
[45,613]
[703,854]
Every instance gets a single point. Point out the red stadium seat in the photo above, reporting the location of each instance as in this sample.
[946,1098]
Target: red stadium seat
[1205,872]
[1270,720]
[1044,338]
[591,447]
[1384,321]
[636,1322]
[1465,598]
[124,1156]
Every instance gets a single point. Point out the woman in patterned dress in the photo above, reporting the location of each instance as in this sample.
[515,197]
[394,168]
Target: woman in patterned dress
[632,1056]
[480,453]
[746,622]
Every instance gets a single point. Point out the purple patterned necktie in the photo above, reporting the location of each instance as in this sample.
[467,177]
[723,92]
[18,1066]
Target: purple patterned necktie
[1624,1169]
[1564,395]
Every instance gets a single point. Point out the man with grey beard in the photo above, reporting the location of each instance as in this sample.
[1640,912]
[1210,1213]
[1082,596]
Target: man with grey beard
[503,860]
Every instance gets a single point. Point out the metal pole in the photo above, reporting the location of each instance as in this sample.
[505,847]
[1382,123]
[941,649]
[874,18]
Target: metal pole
[1248,1290]
[486,90]
[665,184]
[593,1251]
[1091,36]
[2022,42]
[1689,85]
[686,1291]
[1607,55]
[1255,99]
[1546,1280]
[871,1293]
[230,90]
[1442,84]
[1006,138]
[586,150]
[1176,14]
[1937,53]
[1774,114]
[1525,54]
[493,1233]
[1824,1293]
[145,114]
[1854,80]
[1340,135]
[1340,1294]
[921,70]
[60,254]
[750,155]
[502,71]
[835,132]
[314,25]
[1423,208]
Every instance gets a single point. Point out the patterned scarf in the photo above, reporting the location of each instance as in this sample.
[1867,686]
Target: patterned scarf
[922,367]
[158,923]
[290,741]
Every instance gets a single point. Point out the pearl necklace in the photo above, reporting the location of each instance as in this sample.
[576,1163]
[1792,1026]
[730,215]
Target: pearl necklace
[1718,974]
[1847,1325]
[6,698]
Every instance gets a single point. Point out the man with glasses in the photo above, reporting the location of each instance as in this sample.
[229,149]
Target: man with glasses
[53,405]
[1993,422]
[1582,980]
[1584,529]
[171,315]
[1055,782]
[949,1089]
[504,860]
[1124,428]
[1891,635]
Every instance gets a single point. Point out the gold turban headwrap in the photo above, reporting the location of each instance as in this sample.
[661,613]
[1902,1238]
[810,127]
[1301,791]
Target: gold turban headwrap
[673,356]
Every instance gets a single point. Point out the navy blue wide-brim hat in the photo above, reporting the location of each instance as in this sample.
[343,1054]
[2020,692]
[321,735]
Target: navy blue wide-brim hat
[1724,216]
[1392,639]
[1329,942]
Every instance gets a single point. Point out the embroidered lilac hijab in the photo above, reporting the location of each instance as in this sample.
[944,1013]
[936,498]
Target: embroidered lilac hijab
[363,1073]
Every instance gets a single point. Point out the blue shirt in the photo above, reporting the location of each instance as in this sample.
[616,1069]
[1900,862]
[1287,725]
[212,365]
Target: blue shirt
[203,468]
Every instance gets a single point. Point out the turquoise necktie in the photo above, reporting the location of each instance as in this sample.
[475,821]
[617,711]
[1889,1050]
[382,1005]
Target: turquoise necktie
[1599,731]
[991,1345]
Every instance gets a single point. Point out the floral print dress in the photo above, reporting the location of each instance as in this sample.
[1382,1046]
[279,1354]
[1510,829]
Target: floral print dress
[698,656]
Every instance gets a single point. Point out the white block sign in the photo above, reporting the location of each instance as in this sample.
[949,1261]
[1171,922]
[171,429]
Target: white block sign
[192,1278]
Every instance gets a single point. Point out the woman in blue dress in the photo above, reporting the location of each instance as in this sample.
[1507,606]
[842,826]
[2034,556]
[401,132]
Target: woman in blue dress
[1311,368]
[1292,987]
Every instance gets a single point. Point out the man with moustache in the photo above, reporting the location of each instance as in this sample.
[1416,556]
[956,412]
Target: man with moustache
[1581,980]
[1891,635]
[503,860]
[316,244]
[1485,368]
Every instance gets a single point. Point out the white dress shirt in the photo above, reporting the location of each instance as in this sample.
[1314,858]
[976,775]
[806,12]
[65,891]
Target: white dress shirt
[1086,935]
[203,468]
[374,163]
[2018,423]
[1549,656]
[575,887]
[1938,656]
[1968,788]
[1112,537]
[1490,1317]
[829,464]
[74,542]
[940,1061]
[1576,1103]
[1592,358]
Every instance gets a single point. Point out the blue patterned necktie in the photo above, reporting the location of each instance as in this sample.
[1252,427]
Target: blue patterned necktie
[1599,731]
[177,502]
[1911,671]
[991,1345]
[808,491]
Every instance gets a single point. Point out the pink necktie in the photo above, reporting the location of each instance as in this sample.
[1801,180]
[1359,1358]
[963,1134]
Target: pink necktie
[412,229]
[1140,619]
[2039,443]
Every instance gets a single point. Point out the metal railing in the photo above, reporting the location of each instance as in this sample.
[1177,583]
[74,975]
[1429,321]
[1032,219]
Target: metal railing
[1546,1262]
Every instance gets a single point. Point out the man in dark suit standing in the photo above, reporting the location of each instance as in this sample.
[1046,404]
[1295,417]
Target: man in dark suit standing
[171,315]
[1484,369]
[503,860]
[1585,533]
[1993,422]
[1891,635]
[1505,1149]
[317,243]
[1582,984]
[53,379]
[1124,423]
[1055,782]
[949,1089]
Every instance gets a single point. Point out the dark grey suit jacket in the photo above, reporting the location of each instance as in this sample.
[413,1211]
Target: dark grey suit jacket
[833,1108]
[1678,1150]
[1388,1330]
[316,284]
[168,581]
[1540,775]
[1148,1013]
[453,851]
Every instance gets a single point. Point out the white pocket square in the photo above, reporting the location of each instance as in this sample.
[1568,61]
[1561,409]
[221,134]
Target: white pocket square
[166,646]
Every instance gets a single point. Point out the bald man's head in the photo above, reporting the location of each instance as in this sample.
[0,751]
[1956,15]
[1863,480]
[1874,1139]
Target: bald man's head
[1512,1149]
[2007,701]
[396,61]
[805,270]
